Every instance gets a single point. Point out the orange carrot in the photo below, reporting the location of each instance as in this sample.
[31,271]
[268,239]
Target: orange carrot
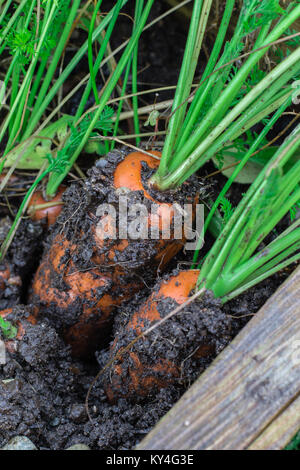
[128,174]
[139,377]
[41,209]
[81,296]
[176,351]
[81,303]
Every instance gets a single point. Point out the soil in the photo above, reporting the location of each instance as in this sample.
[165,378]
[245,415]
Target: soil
[21,260]
[42,387]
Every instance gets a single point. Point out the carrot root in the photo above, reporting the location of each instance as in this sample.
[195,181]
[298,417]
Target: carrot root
[84,278]
[159,360]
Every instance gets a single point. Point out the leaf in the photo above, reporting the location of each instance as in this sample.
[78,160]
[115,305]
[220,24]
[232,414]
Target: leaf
[8,330]
[104,123]
[21,44]
[227,209]
[34,156]
[256,75]
[152,118]
[94,146]
[253,167]
[263,11]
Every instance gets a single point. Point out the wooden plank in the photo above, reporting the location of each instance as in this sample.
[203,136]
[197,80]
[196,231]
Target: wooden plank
[281,431]
[251,383]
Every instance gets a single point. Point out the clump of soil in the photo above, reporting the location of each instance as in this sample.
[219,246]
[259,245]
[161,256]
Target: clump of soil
[26,248]
[20,261]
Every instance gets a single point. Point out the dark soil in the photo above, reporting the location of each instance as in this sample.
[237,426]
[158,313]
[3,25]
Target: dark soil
[43,389]
[21,260]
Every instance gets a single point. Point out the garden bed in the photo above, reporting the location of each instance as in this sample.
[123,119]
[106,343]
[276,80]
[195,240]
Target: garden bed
[43,390]
[51,391]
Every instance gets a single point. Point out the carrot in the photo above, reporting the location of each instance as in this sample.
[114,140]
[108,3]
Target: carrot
[156,361]
[41,209]
[84,276]
[8,279]
[79,303]
[4,275]
[128,174]
[139,377]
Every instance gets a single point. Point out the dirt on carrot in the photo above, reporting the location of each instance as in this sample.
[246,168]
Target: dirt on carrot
[84,278]
[175,350]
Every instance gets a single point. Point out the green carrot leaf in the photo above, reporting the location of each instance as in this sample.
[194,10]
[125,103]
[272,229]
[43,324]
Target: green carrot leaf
[7,329]
[227,209]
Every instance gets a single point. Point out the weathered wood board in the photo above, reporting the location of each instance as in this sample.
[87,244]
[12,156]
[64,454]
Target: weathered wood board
[249,396]
[281,430]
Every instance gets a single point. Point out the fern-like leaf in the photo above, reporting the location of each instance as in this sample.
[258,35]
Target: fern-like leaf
[226,208]
[294,211]
[103,124]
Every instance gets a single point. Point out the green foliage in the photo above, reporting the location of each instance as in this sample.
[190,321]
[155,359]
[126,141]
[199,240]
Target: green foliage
[234,93]
[294,42]
[255,76]
[7,329]
[233,152]
[56,26]
[21,41]
[239,147]
[103,124]
[21,45]
[295,443]
[219,159]
[294,210]
[238,260]
[227,209]
[290,45]
[262,11]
